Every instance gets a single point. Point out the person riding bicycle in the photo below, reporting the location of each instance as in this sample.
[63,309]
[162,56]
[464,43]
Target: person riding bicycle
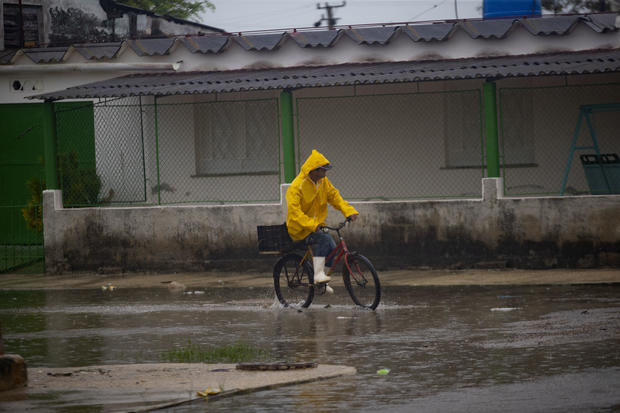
[306,201]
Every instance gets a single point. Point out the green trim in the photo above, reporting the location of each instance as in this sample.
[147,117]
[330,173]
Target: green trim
[490,126]
[157,152]
[288,136]
[481,134]
[49,146]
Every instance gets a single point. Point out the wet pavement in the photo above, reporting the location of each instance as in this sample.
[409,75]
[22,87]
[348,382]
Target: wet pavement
[448,348]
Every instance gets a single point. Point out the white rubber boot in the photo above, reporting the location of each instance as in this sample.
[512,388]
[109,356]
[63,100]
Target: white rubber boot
[319,270]
[329,289]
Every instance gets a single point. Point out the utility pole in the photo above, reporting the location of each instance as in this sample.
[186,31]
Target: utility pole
[331,20]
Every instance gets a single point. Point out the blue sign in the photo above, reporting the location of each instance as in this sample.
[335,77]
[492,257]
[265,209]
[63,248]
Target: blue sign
[510,8]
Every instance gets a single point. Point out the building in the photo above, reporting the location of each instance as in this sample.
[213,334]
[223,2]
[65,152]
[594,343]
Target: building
[414,116]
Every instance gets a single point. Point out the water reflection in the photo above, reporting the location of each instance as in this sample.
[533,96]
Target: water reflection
[437,341]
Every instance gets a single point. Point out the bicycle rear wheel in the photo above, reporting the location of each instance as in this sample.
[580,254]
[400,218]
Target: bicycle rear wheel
[362,281]
[292,281]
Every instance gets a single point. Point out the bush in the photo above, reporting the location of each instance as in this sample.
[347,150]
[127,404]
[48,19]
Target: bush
[80,186]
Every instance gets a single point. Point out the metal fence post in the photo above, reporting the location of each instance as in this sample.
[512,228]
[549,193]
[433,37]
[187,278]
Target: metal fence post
[157,152]
[49,146]
[288,139]
[490,127]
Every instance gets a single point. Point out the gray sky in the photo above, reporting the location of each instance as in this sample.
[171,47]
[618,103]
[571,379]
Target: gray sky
[247,15]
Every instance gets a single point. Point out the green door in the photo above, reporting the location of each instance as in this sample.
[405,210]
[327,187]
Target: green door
[22,164]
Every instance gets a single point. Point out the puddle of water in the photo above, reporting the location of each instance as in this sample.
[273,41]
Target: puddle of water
[442,345]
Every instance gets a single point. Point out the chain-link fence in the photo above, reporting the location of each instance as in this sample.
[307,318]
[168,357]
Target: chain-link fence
[397,146]
[171,151]
[392,146]
[537,127]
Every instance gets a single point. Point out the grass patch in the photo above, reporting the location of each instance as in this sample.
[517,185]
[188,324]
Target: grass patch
[239,352]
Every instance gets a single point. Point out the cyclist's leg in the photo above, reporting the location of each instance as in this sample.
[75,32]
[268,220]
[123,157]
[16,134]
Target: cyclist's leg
[322,244]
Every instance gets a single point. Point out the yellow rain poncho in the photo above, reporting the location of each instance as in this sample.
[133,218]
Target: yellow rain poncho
[307,202]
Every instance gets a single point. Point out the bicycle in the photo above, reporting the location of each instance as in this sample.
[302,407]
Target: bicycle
[293,275]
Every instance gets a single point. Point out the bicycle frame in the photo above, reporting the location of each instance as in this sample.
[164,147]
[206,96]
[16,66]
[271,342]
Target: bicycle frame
[293,274]
[338,252]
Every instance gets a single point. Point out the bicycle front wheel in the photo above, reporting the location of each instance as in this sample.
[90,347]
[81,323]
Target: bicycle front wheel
[362,281]
[291,280]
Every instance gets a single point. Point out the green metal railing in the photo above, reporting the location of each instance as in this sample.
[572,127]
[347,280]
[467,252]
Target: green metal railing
[20,248]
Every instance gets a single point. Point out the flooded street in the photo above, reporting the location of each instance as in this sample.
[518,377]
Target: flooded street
[465,348]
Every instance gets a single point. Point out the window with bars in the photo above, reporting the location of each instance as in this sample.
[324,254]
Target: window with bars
[24,19]
[237,138]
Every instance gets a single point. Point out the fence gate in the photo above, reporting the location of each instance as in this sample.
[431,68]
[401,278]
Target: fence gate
[21,167]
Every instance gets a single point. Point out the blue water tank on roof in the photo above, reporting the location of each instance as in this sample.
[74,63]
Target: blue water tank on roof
[510,8]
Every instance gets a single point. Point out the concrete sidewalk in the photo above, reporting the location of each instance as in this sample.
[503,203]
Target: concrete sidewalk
[215,279]
[144,387]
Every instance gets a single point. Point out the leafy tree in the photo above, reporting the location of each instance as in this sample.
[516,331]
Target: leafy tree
[580,6]
[182,9]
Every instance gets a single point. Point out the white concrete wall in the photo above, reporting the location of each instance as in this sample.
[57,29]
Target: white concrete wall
[542,232]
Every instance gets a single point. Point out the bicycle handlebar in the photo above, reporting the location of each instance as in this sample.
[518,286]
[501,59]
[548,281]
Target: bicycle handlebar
[338,227]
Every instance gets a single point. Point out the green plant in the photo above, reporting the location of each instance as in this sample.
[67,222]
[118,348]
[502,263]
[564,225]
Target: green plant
[232,353]
[33,211]
[80,185]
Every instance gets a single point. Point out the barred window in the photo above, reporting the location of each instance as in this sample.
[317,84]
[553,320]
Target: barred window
[236,138]
[462,130]
[517,111]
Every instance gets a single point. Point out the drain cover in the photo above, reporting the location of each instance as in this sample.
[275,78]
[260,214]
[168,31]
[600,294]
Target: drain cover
[275,366]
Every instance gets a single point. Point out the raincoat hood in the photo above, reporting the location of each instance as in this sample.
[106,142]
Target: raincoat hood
[315,160]
[306,200]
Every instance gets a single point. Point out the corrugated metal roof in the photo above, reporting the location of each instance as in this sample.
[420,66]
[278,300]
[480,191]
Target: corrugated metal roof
[98,51]
[429,32]
[260,42]
[382,35]
[206,44]
[601,22]
[547,26]
[372,35]
[323,38]
[487,29]
[164,84]
[6,56]
[46,54]
[151,47]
